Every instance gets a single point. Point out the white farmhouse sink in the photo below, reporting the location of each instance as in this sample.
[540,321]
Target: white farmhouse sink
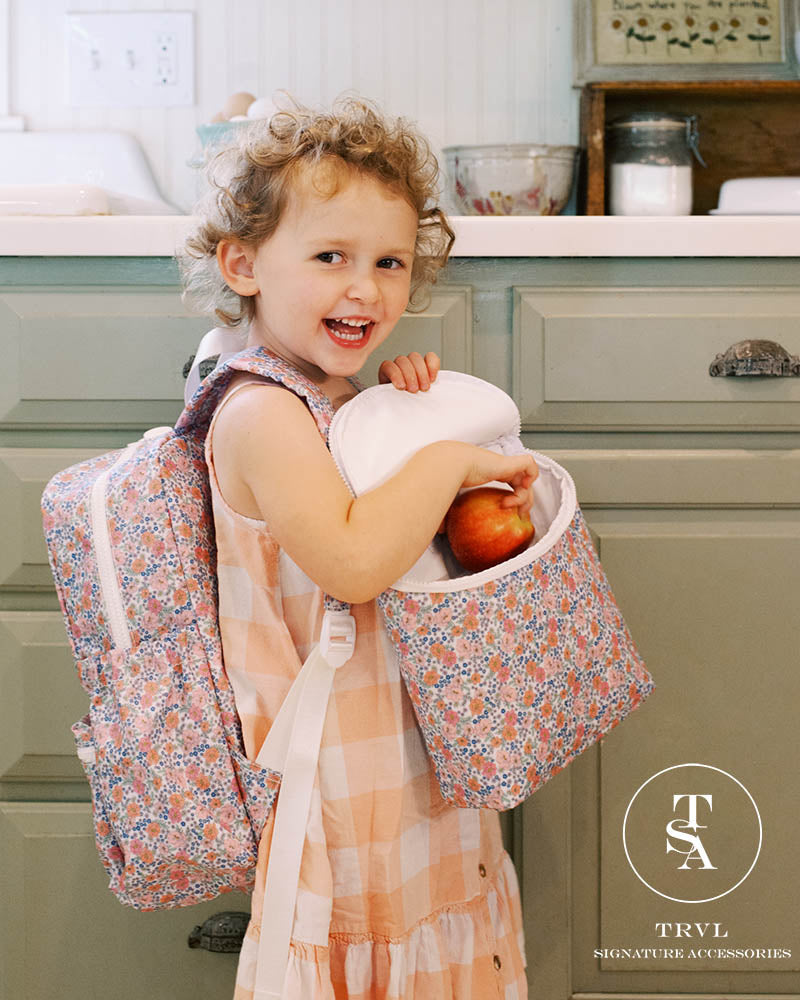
[77,173]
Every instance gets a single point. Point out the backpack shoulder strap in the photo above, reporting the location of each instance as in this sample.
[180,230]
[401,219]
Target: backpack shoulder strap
[295,743]
[196,417]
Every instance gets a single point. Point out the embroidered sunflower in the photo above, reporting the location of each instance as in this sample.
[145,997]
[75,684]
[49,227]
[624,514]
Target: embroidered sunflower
[642,30]
[668,26]
[689,23]
[761,30]
[714,32]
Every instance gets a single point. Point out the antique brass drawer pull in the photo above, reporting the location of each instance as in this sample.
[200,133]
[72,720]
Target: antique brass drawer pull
[755,357]
[224,932]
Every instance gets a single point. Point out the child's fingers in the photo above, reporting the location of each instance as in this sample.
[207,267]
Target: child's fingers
[426,369]
[526,505]
[389,372]
[411,372]
[408,378]
[525,472]
[522,484]
[521,497]
[419,377]
[433,364]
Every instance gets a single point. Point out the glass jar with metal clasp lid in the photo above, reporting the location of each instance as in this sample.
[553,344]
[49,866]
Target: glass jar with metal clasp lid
[650,163]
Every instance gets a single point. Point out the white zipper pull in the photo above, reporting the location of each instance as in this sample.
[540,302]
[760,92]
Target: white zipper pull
[101,542]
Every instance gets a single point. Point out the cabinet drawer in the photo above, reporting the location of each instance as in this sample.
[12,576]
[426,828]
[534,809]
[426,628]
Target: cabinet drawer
[42,697]
[114,358]
[102,358]
[24,473]
[639,358]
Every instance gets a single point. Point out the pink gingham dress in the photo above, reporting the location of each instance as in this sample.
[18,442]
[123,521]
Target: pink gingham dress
[401,896]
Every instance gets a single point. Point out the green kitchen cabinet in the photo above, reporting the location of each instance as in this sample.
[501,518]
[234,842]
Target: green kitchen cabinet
[690,484]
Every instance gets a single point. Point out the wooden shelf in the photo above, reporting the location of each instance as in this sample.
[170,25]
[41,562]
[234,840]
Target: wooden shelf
[748,128]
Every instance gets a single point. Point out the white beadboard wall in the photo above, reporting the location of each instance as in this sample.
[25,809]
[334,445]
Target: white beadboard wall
[466,70]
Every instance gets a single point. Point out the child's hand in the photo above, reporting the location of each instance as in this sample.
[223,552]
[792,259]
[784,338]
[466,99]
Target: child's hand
[410,372]
[519,471]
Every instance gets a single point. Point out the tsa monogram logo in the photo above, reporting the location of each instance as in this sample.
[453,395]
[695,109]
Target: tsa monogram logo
[676,830]
[692,833]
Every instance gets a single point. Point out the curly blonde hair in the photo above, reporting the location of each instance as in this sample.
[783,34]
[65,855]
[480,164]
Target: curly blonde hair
[251,181]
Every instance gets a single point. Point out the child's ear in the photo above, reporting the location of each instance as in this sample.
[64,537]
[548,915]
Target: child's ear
[236,266]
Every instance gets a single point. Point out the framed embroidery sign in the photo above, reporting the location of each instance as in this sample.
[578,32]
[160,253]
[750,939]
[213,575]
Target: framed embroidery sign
[684,39]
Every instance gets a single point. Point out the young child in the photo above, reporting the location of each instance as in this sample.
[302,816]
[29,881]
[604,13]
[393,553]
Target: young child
[317,235]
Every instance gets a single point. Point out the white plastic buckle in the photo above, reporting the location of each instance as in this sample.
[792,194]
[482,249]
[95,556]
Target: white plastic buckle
[155,432]
[337,638]
[87,754]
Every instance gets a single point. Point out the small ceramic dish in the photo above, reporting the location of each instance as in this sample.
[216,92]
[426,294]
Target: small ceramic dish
[759,196]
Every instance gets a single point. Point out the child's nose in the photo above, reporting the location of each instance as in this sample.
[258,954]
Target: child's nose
[363,288]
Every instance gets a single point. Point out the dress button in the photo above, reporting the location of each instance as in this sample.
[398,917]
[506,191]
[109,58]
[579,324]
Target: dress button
[482,870]
[497,962]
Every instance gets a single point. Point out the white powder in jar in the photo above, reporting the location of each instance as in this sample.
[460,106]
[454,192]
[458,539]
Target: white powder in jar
[650,189]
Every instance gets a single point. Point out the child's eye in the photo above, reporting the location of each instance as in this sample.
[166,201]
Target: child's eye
[390,263]
[328,257]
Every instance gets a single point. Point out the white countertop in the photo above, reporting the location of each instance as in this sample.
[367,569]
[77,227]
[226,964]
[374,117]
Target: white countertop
[517,236]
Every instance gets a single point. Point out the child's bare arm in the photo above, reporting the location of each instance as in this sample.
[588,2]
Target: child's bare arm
[352,548]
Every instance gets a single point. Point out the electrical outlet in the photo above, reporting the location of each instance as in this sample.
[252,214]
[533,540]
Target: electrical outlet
[167,59]
[130,59]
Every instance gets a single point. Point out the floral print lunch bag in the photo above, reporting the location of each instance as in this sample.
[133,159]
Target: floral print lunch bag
[515,670]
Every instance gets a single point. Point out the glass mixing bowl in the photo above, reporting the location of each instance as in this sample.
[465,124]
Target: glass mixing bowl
[511,179]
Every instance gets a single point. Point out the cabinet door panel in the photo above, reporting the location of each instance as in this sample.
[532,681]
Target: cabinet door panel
[63,934]
[42,697]
[639,357]
[24,472]
[114,357]
[710,598]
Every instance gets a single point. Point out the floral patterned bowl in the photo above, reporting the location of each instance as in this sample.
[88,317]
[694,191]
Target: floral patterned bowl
[513,179]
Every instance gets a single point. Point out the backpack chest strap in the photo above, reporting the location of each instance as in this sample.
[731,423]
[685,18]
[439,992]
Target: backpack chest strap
[292,747]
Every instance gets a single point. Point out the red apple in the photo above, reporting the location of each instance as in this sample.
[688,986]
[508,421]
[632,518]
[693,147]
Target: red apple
[481,532]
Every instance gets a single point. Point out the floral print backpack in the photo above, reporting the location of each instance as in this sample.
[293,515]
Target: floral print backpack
[178,808]
[517,669]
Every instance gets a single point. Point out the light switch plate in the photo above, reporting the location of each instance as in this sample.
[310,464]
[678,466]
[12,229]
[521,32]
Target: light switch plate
[142,59]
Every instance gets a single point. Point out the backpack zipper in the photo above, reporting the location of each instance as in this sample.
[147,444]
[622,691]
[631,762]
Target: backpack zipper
[106,570]
[333,450]
[341,472]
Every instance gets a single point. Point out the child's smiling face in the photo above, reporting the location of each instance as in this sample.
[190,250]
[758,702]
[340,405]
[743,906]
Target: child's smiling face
[335,276]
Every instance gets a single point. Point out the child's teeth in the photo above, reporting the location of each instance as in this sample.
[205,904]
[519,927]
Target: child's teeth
[336,326]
